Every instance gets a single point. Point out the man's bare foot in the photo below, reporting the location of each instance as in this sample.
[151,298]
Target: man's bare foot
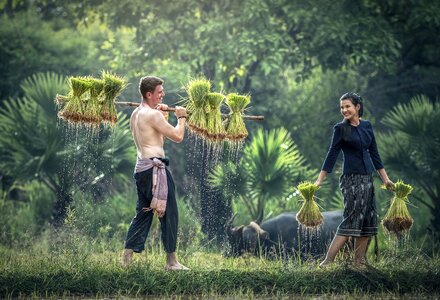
[173,264]
[126,257]
[176,267]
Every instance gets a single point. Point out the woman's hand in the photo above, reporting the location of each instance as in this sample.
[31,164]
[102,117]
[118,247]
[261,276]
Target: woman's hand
[389,184]
[386,181]
[321,177]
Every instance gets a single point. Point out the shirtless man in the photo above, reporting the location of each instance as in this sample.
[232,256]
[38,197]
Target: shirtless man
[154,183]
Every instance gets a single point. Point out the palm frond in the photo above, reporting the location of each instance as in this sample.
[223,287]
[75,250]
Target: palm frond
[412,118]
[413,146]
[43,87]
[271,161]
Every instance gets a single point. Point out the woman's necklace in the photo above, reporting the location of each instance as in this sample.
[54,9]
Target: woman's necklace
[355,123]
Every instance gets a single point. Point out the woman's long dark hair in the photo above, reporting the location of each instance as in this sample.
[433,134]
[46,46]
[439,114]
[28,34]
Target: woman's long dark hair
[345,124]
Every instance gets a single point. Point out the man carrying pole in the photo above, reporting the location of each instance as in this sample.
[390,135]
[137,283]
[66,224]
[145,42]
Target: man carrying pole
[154,182]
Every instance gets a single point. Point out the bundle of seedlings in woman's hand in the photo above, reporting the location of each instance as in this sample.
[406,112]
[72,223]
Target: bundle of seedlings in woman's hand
[92,109]
[215,129]
[397,218]
[73,110]
[197,104]
[236,130]
[113,86]
[309,214]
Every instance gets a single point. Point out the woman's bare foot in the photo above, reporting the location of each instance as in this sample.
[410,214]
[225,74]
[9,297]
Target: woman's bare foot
[325,264]
[362,263]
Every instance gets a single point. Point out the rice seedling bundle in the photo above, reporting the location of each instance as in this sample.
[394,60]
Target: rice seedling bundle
[397,218]
[73,110]
[236,129]
[197,104]
[215,128]
[309,214]
[113,86]
[92,110]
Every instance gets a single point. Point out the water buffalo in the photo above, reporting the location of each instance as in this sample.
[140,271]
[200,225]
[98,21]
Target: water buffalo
[280,236]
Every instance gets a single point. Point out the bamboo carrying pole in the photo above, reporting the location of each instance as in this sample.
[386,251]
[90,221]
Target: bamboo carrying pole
[246,117]
[61,98]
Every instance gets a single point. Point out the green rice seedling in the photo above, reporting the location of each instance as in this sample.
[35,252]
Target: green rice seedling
[85,100]
[113,86]
[92,109]
[397,218]
[215,128]
[61,100]
[73,110]
[309,214]
[236,129]
[197,104]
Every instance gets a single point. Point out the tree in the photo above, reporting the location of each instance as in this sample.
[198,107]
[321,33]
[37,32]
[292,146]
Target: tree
[414,67]
[25,51]
[411,149]
[34,147]
[238,43]
[234,42]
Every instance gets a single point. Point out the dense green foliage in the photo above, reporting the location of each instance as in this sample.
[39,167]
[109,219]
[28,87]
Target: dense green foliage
[29,45]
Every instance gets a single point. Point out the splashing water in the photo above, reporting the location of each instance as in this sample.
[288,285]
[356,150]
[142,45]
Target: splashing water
[308,237]
[83,166]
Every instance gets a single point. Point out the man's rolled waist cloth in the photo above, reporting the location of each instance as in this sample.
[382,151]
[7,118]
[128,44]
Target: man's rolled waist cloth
[160,184]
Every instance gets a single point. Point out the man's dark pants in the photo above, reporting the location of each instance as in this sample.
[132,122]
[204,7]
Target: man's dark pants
[141,223]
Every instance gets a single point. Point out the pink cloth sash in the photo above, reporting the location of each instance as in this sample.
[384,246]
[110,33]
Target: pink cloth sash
[160,184]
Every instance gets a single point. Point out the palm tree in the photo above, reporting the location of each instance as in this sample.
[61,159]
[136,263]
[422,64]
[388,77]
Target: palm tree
[34,146]
[268,171]
[411,149]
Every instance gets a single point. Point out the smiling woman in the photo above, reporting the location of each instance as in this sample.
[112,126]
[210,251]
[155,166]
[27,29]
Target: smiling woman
[355,137]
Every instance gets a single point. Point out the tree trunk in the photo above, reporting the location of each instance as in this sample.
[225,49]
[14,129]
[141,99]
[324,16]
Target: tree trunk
[60,208]
[60,188]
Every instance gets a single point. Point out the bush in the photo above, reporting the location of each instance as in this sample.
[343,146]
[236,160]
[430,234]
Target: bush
[22,220]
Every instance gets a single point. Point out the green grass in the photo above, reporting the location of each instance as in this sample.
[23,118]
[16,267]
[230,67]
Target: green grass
[72,273]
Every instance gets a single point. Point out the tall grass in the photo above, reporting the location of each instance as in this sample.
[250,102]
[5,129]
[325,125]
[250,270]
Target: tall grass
[67,270]
[83,260]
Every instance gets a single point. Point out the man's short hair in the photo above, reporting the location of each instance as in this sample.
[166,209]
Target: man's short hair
[149,84]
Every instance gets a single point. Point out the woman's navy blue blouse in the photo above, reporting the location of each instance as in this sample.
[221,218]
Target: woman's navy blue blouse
[359,152]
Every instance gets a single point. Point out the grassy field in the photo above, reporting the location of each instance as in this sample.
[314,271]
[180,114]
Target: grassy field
[68,273]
